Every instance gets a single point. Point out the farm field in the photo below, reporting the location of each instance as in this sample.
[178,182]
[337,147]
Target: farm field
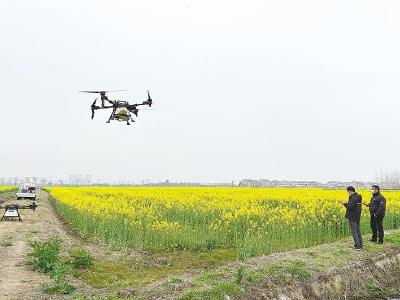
[250,221]
[6,189]
[122,251]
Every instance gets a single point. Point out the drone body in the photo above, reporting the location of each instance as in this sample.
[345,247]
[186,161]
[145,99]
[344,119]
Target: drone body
[121,110]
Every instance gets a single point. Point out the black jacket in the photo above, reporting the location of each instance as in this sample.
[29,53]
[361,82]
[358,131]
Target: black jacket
[377,205]
[353,208]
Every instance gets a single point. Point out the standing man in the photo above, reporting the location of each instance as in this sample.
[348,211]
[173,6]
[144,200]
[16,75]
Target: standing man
[353,215]
[377,209]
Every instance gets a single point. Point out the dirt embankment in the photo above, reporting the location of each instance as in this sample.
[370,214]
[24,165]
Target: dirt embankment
[329,271]
[374,274]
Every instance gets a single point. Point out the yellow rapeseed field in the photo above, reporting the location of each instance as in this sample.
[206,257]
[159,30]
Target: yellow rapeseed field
[252,220]
[5,189]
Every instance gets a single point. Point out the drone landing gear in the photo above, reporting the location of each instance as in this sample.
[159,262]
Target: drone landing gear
[127,121]
[112,115]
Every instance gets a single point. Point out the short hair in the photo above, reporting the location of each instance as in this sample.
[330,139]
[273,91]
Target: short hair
[351,189]
[376,187]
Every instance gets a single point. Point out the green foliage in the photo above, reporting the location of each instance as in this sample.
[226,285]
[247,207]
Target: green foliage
[393,238]
[59,285]
[175,280]
[81,259]
[211,244]
[60,272]
[239,274]
[253,276]
[374,289]
[188,295]
[297,269]
[58,288]
[216,292]
[45,255]
[138,272]
[6,244]
[286,271]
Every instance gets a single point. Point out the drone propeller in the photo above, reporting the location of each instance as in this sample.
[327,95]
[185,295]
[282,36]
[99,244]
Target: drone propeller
[102,92]
[149,100]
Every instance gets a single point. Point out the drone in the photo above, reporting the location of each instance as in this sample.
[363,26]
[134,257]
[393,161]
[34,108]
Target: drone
[11,211]
[121,110]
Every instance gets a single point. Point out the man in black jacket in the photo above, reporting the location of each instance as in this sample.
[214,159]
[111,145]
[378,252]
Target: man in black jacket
[377,209]
[353,215]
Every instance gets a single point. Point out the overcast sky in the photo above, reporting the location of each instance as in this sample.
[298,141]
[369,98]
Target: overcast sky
[304,90]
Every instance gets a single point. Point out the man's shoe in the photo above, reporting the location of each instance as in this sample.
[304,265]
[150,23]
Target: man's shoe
[357,249]
[378,242]
[372,240]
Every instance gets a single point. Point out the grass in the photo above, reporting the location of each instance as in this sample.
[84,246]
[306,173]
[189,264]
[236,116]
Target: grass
[216,292]
[81,259]
[374,289]
[216,284]
[393,238]
[45,257]
[286,271]
[151,267]
[6,244]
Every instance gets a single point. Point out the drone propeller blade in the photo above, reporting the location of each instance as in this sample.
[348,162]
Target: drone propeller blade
[102,92]
[149,100]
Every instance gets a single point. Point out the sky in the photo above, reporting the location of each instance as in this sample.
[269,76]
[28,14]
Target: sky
[298,90]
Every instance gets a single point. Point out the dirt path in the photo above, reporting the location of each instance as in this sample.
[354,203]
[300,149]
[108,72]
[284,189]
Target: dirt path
[17,281]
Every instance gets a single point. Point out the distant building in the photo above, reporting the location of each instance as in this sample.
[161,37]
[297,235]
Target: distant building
[249,183]
[80,179]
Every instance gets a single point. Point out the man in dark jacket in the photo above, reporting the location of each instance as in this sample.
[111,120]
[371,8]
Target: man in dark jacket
[377,209]
[353,215]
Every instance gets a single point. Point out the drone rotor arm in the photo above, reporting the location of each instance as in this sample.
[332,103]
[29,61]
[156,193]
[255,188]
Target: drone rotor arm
[110,101]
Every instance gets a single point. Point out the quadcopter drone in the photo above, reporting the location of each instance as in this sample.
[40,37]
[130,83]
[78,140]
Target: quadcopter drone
[121,110]
[11,211]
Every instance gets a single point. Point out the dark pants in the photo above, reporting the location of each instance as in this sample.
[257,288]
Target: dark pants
[356,233]
[377,228]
